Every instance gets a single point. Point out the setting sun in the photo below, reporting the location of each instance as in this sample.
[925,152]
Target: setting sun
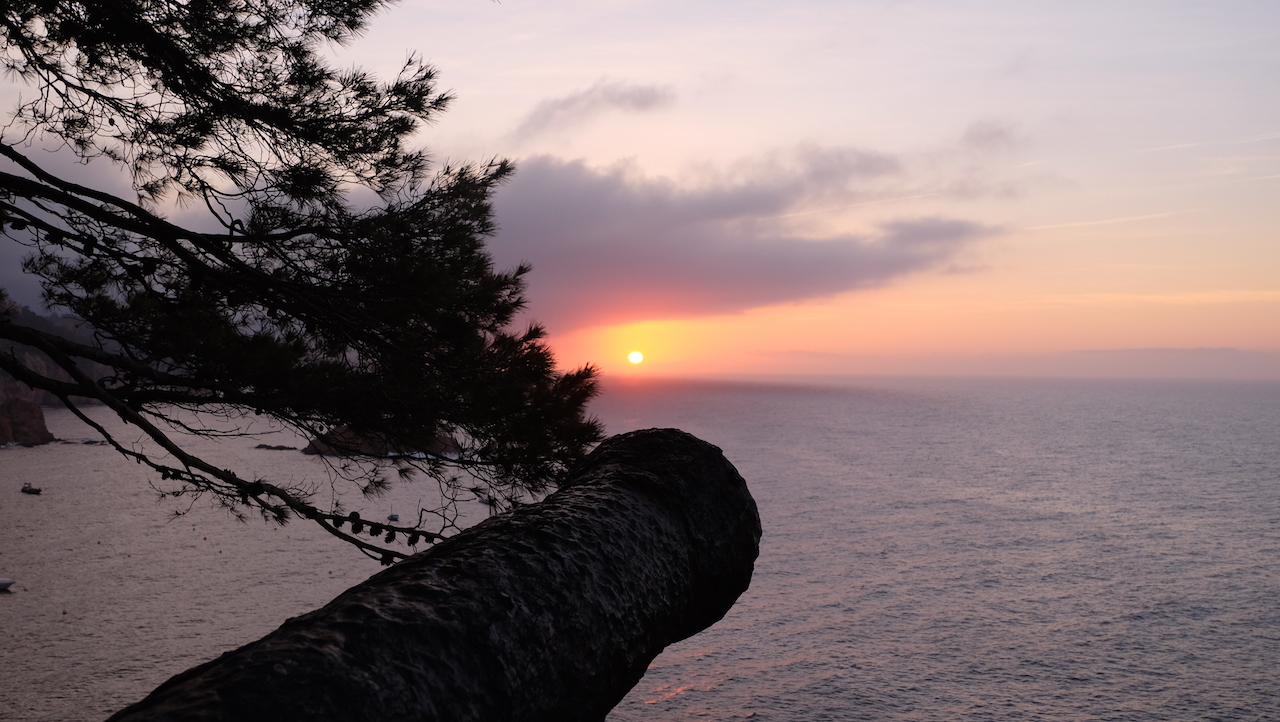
[635,357]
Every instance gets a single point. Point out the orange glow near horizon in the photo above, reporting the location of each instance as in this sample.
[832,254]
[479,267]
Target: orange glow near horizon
[929,325]
[1106,215]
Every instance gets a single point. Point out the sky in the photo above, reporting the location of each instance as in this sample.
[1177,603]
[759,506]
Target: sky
[842,187]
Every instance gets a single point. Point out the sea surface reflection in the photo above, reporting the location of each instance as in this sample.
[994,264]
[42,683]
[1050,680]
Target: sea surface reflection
[933,550]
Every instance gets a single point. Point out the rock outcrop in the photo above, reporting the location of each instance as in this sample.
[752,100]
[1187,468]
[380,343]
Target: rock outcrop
[550,612]
[36,361]
[22,422]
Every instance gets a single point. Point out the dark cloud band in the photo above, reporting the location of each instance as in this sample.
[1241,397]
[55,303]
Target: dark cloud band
[610,248]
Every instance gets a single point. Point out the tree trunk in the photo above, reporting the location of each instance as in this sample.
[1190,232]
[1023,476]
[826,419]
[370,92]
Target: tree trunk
[550,612]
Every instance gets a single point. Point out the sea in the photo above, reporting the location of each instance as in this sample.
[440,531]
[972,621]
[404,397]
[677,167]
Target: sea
[933,549]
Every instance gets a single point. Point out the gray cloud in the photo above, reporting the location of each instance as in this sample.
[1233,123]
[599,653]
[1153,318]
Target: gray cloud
[579,107]
[610,246]
[607,247]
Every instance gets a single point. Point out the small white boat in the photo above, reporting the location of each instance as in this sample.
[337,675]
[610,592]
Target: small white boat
[5,583]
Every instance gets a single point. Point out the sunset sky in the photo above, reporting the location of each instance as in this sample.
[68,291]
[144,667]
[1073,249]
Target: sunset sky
[829,187]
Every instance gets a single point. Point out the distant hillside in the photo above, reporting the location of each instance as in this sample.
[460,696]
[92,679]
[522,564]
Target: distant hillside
[10,387]
[1130,363]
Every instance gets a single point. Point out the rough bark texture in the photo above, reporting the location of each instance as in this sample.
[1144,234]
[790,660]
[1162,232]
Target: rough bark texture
[22,422]
[551,612]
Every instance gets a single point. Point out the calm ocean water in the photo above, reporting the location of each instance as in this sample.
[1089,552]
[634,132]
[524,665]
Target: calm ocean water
[933,550]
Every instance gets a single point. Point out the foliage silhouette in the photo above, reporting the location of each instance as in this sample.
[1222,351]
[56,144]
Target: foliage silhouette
[298,303]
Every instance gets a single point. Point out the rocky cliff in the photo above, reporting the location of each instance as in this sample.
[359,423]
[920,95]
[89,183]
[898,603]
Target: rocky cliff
[22,422]
[35,360]
[550,612]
